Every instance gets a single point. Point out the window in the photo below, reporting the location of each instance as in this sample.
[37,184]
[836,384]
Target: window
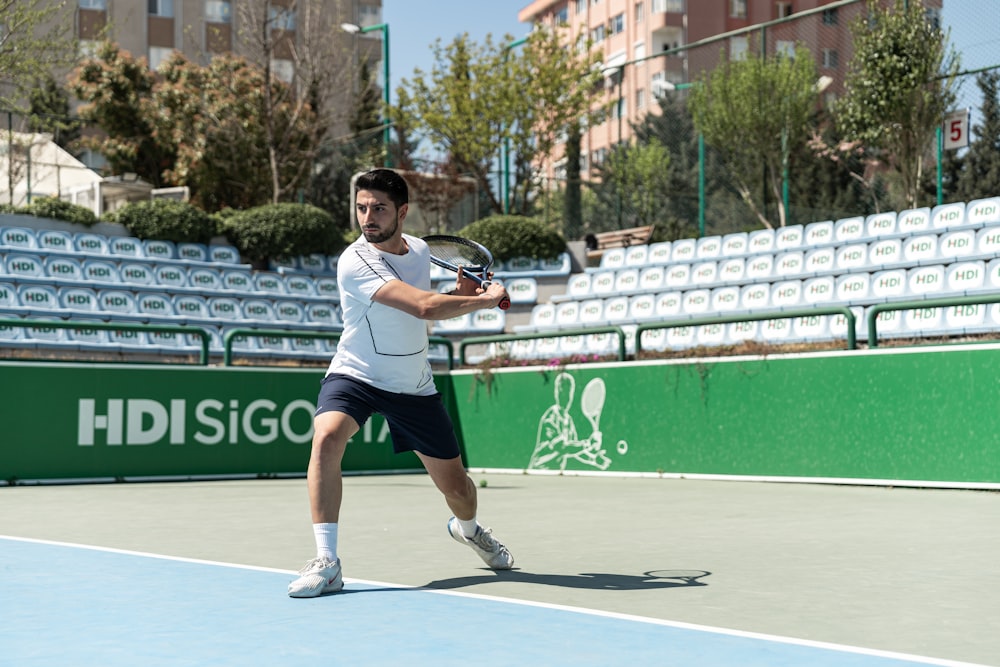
[934,17]
[282,18]
[783,9]
[830,17]
[157,54]
[94,4]
[831,59]
[283,70]
[88,48]
[617,24]
[369,15]
[218,11]
[663,6]
[785,48]
[562,16]
[738,48]
[164,8]
[640,11]
[581,7]
[640,98]
[597,34]
[738,9]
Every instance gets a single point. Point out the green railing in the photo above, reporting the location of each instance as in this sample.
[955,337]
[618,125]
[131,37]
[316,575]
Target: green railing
[852,342]
[117,326]
[232,334]
[942,302]
[555,333]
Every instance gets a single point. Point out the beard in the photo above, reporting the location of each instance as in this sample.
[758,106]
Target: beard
[380,236]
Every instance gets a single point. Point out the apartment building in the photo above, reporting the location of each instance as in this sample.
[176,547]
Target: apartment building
[202,29]
[692,35]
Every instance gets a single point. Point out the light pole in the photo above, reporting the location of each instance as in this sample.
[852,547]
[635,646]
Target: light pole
[505,182]
[384,28]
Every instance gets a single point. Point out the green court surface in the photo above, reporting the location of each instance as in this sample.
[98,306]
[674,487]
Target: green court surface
[903,571]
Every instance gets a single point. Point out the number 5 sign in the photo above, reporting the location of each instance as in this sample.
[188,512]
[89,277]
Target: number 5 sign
[956,129]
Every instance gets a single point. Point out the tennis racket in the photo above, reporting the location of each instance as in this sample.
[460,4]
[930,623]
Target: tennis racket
[451,252]
[592,402]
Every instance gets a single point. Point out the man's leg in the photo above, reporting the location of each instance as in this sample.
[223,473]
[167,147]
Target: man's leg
[450,478]
[459,491]
[331,431]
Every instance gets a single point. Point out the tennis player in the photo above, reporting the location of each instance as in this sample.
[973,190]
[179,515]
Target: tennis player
[381,366]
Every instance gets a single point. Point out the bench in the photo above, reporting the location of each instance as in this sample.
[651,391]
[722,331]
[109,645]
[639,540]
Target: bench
[619,238]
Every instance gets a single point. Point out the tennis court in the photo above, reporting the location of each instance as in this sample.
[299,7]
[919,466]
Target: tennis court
[609,571]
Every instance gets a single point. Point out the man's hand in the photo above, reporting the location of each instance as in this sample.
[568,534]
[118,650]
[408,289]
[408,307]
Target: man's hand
[466,286]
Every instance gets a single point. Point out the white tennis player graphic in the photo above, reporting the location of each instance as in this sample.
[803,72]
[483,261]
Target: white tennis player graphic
[558,443]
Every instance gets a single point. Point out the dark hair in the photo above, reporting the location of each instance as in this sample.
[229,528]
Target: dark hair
[387,181]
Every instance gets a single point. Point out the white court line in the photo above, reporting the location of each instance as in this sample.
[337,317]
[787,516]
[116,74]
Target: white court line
[808,643]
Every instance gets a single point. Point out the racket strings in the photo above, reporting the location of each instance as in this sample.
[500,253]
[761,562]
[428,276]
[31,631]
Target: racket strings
[459,255]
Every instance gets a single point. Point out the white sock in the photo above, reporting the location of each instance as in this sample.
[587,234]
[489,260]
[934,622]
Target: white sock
[326,540]
[469,527]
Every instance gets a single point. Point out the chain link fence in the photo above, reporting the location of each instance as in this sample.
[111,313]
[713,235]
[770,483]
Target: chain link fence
[705,192]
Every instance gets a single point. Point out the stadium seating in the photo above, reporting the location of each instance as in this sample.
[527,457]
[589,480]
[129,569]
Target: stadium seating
[945,251]
[88,277]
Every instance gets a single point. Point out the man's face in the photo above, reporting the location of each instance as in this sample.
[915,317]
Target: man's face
[378,217]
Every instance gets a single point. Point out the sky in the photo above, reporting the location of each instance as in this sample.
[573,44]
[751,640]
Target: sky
[415,25]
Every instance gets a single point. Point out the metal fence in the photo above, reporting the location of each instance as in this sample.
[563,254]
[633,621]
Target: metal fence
[702,196]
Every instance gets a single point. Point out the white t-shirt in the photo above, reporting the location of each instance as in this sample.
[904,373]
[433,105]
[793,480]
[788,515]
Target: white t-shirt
[381,345]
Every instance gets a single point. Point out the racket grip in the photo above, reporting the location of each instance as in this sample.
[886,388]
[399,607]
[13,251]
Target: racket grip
[504,302]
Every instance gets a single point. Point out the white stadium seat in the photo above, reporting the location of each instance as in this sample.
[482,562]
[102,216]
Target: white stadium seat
[914,221]
[788,238]
[18,237]
[735,244]
[880,224]
[983,211]
[947,216]
[818,233]
[850,229]
[125,246]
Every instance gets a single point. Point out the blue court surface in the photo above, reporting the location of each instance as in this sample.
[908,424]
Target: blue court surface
[68,605]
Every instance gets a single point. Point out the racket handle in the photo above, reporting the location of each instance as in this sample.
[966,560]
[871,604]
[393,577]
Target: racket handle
[504,302]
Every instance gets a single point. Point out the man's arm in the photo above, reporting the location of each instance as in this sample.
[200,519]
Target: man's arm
[466,298]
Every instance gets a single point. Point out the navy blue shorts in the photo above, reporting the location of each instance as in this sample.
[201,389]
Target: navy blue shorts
[416,423]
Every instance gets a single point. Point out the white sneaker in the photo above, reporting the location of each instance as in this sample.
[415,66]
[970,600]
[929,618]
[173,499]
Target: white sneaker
[319,576]
[487,547]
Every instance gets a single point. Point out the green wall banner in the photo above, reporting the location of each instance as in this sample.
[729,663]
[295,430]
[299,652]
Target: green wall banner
[920,415]
[917,415]
[121,420]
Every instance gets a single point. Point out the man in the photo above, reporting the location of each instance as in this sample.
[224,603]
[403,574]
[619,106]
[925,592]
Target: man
[381,366]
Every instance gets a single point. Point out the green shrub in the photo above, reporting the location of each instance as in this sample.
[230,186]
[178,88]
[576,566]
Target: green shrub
[57,209]
[510,236]
[166,220]
[282,231]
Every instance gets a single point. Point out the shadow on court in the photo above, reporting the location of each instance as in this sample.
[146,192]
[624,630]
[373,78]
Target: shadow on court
[595,581]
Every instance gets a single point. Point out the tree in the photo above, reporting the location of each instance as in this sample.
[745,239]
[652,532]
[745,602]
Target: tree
[211,117]
[755,111]
[634,184]
[479,98]
[36,39]
[116,90]
[291,32]
[673,127]
[980,170]
[898,87]
[49,112]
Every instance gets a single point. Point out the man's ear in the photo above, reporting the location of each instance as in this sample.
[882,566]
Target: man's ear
[401,212]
